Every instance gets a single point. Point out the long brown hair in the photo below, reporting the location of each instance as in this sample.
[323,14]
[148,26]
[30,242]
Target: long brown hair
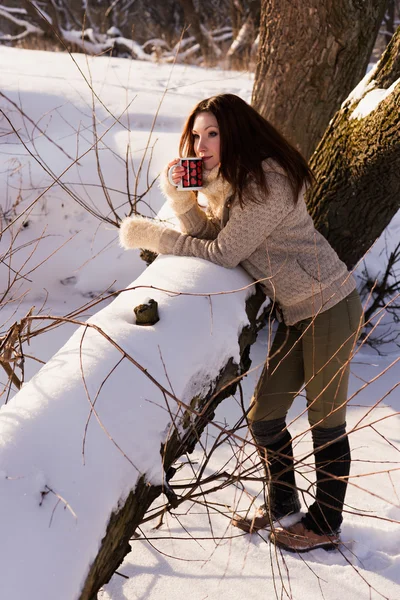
[247,139]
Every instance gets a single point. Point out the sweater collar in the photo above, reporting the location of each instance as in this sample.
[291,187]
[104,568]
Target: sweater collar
[215,187]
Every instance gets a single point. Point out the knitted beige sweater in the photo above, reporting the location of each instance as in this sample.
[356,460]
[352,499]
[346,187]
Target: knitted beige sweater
[274,240]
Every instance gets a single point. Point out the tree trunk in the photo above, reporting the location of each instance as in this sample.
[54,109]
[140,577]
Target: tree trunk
[236,15]
[357,163]
[208,49]
[240,51]
[95,371]
[311,55]
[122,524]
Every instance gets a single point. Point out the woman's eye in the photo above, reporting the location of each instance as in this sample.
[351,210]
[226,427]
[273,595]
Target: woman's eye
[213,133]
[195,135]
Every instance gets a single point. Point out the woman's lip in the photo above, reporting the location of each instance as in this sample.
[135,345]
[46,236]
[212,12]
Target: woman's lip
[206,157]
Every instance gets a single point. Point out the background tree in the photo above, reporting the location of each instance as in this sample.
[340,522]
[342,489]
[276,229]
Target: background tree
[311,55]
[390,20]
[245,16]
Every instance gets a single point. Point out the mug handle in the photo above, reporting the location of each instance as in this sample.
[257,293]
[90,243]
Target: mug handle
[170,174]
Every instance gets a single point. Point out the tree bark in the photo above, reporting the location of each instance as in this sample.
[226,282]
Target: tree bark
[236,14]
[207,46]
[311,55]
[357,163]
[240,50]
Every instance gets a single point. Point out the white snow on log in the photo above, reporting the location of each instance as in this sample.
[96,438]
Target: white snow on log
[371,101]
[114,32]
[75,37]
[134,47]
[54,507]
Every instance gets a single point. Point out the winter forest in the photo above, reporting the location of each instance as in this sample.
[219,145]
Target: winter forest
[126,376]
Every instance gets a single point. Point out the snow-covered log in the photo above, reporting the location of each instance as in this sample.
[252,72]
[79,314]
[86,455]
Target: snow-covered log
[84,446]
[90,40]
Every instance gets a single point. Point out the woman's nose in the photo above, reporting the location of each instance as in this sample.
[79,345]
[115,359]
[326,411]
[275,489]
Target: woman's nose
[202,146]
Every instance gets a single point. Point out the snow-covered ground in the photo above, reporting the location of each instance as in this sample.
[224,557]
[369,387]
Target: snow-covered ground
[195,553]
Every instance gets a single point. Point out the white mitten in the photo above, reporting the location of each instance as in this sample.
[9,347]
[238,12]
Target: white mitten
[139,232]
[180,201]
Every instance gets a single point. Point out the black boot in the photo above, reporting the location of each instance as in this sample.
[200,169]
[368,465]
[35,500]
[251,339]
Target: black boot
[332,464]
[283,498]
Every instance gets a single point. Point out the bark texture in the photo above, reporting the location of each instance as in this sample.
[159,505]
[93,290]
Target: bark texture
[239,53]
[208,49]
[311,55]
[122,524]
[357,163]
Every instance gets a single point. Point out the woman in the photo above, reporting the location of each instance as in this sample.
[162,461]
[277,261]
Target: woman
[254,184]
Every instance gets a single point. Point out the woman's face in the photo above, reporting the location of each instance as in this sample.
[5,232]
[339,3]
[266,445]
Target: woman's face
[207,139]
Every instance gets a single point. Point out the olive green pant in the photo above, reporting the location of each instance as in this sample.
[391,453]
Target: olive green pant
[313,353]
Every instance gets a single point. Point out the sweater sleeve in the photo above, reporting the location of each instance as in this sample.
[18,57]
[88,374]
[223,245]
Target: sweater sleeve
[199,224]
[246,229]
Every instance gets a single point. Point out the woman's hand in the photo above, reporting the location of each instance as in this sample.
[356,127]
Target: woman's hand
[180,200]
[139,232]
[178,172]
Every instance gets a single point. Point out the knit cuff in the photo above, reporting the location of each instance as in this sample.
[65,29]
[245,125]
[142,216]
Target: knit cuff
[180,201]
[167,241]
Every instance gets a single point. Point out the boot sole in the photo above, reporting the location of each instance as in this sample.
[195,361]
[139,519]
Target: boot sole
[247,526]
[327,546]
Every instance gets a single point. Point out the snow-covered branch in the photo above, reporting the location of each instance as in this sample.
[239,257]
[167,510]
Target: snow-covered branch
[29,28]
[91,41]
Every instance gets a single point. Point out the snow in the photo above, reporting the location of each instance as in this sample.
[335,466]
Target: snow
[86,371]
[363,86]
[366,97]
[86,261]
[371,100]
[376,259]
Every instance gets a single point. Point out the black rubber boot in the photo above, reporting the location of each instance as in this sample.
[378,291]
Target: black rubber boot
[331,463]
[283,498]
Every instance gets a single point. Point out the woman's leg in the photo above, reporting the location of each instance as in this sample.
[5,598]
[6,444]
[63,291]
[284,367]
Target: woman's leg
[281,379]
[328,345]
[332,465]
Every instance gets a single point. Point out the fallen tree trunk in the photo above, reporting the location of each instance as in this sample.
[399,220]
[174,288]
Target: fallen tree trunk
[93,414]
[123,523]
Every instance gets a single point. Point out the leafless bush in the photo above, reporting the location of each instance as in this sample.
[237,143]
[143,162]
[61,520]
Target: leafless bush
[16,212]
[382,292]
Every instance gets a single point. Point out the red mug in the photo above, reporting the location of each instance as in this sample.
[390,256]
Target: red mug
[193,177]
